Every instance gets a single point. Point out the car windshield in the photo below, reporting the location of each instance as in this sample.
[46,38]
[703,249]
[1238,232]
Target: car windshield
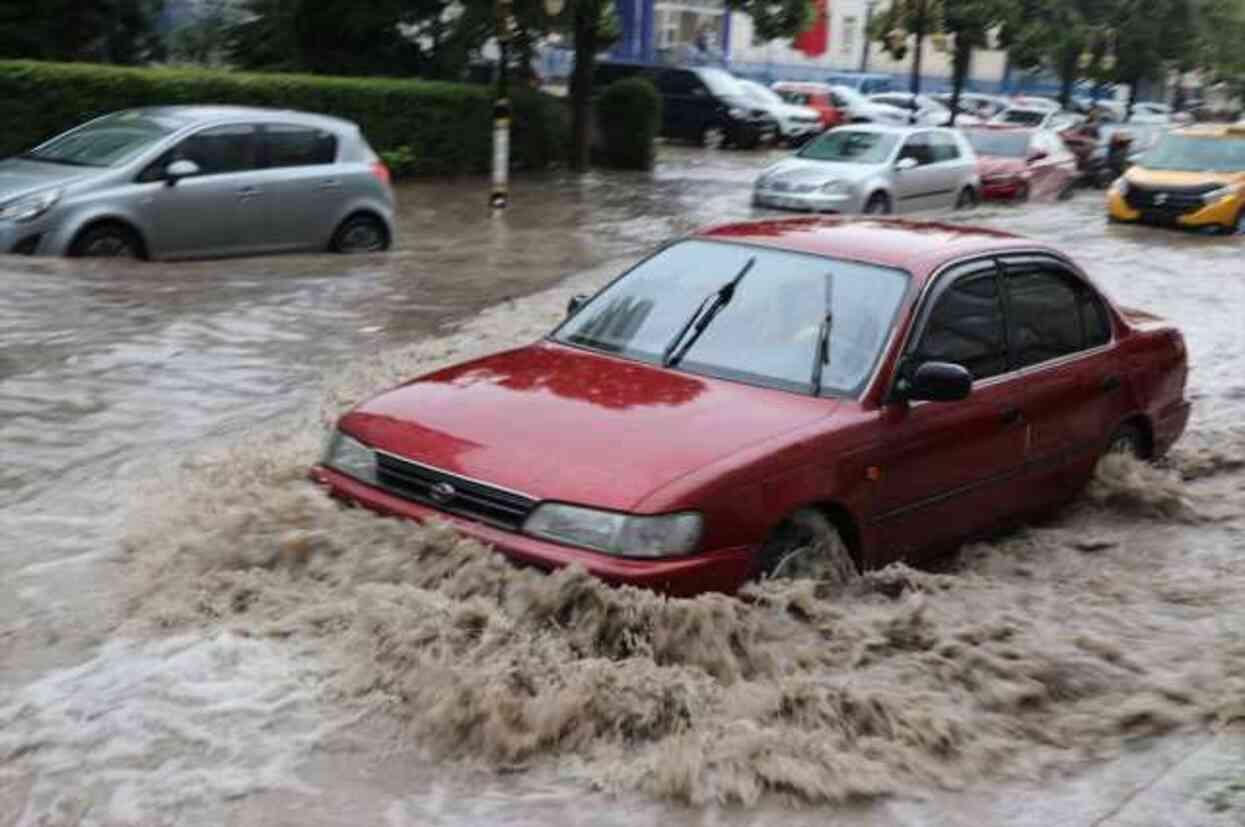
[721,82]
[1197,153]
[851,146]
[767,334]
[104,142]
[759,93]
[999,143]
[1023,117]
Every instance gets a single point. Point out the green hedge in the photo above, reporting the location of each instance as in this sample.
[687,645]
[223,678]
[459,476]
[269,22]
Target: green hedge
[445,128]
[629,117]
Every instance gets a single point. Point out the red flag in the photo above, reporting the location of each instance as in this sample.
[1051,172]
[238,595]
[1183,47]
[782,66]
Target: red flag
[813,40]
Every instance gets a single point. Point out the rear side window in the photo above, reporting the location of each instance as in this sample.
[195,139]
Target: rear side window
[966,328]
[298,146]
[1052,314]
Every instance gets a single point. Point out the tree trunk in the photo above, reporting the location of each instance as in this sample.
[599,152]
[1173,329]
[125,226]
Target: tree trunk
[1132,97]
[918,52]
[960,63]
[1067,77]
[586,18]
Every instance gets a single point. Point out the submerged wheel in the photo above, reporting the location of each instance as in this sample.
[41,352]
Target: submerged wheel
[713,137]
[361,234]
[1128,439]
[967,199]
[807,545]
[106,241]
[878,204]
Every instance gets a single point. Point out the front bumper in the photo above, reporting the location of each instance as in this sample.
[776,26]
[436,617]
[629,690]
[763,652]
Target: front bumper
[1005,189]
[21,239]
[815,201]
[1222,213]
[721,570]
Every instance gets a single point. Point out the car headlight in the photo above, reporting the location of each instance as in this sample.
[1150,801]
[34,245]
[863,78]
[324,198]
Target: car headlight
[737,113]
[622,535]
[1230,191]
[1120,187]
[835,188]
[349,456]
[30,207]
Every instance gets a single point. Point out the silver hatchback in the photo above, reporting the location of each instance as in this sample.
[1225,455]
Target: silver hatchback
[191,181]
[874,168]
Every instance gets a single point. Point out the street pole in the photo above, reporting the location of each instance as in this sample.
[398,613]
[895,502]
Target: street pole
[500,197]
[864,52]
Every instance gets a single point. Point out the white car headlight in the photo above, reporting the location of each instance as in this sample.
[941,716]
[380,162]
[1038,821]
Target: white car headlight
[1120,187]
[349,456]
[30,207]
[622,535]
[835,188]
[1230,191]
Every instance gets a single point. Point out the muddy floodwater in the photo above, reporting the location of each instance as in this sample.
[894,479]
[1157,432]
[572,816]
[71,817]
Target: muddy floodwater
[190,634]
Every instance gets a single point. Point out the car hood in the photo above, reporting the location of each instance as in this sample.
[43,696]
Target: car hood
[804,171]
[19,177]
[1178,178]
[558,423]
[999,165]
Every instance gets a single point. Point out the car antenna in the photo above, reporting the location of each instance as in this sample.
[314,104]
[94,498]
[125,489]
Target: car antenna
[821,357]
[673,354]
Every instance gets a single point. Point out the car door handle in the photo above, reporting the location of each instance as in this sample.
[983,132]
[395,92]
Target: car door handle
[249,192]
[1110,384]
[330,185]
[1010,415]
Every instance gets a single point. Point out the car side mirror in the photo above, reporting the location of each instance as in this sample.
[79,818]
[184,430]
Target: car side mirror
[905,164]
[178,170]
[936,382]
[577,301]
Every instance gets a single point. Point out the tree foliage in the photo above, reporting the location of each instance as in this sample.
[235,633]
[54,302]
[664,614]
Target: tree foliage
[115,31]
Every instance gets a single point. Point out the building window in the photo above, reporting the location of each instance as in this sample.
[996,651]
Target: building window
[849,35]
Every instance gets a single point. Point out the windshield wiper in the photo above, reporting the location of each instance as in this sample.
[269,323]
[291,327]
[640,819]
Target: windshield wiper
[703,316]
[821,357]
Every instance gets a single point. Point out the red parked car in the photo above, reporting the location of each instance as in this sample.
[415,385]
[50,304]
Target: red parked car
[816,96]
[777,398]
[1016,164]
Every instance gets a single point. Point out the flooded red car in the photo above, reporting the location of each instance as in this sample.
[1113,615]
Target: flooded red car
[778,398]
[1016,164]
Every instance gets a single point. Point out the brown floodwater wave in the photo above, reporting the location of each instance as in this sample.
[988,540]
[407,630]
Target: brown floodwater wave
[1051,645]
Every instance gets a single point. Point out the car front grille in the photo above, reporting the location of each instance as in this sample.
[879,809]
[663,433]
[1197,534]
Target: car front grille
[787,186]
[451,493]
[1169,201]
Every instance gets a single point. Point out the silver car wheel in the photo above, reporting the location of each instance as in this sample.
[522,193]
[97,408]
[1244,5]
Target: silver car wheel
[361,234]
[109,246]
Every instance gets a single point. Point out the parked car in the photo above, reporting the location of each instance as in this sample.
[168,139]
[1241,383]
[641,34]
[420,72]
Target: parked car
[778,399]
[864,83]
[184,181]
[1193,177]
[860,109]
[874,168]
[815,96]
[1017,163]
[1036,102]
[702,104]
[1037,118]
[981,106]
[795,124]
[923,109]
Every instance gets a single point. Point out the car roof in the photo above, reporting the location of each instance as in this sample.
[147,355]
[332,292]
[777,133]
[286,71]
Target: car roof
[919,247]
[195,115]
[802,86]
[891,128]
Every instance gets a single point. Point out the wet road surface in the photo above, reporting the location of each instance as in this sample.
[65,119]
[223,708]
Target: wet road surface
[145,406]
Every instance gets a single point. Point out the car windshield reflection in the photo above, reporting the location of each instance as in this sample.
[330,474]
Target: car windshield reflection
[768,333]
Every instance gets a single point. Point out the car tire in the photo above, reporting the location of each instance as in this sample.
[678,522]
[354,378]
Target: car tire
[878,204]
[967,199]
[712,137]
[360,233]
[1129,439]
[108,240]
[807,545]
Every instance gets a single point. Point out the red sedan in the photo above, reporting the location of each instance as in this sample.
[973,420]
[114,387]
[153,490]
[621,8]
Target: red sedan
[778,398]
[1016,164]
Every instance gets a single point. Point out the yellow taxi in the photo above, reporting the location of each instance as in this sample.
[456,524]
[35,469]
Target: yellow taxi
[1193,177]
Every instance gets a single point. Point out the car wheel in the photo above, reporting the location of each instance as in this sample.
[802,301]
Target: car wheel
[807,546]
[878,204]
[106,241]
[967,199]
[361,234]
[1128,439]
[713,137]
